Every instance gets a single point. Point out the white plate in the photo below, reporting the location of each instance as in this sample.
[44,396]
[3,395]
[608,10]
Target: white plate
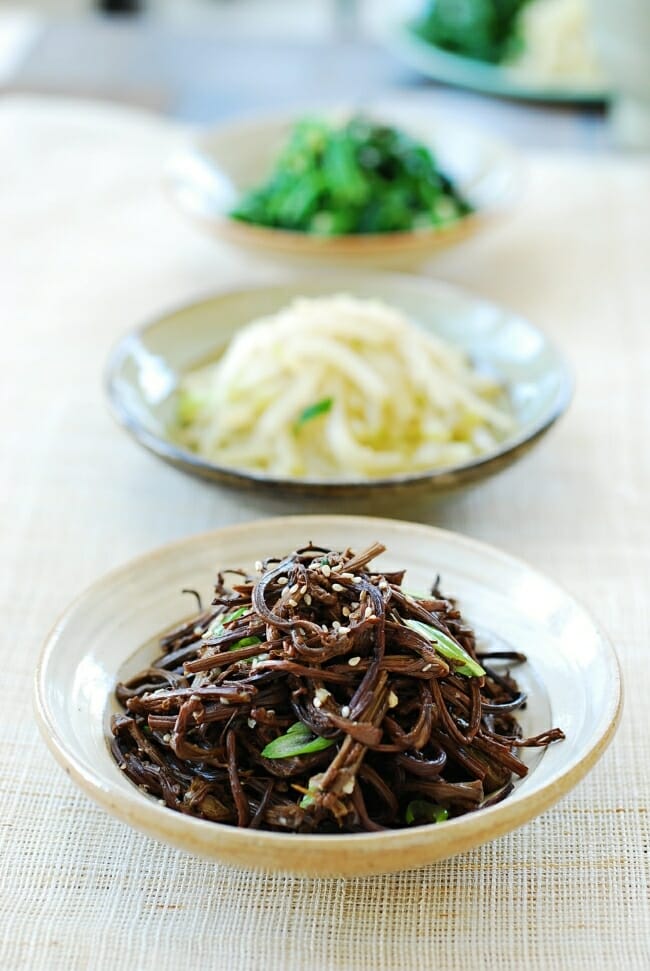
[572,676]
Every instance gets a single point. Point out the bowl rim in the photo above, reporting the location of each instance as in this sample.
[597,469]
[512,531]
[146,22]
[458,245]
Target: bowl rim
[352,244]
[177,455]
[186,832]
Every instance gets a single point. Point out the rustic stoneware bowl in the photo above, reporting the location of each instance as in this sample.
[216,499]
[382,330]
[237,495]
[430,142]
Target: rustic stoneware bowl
[145,367]
[109,632]
[209,176]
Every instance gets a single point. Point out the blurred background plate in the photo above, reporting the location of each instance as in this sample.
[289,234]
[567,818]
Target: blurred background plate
[144,370]
[219,164]
[466,72]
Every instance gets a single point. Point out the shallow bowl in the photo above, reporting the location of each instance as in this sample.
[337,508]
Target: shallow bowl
[144,370]
[207,179]
[572,680]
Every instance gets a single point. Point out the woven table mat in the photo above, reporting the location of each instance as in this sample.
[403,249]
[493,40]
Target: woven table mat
[90,246]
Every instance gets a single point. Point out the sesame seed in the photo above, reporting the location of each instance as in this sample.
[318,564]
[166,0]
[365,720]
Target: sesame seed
[307,599]
[393,700]
[348,786]
[167,738]
[194,698]
[347,576]
[427,667]
[258,566]
[368,613]
[285,592]
[282,581]
[355,605]
[323,627]
[354,661]
[326,569]
[346,611]
[292,602]
[322,694]
[303,589]
[251,722]
[383,584]
[317,702]
[338,588]
[294,588]
[198,631]
[345,711]
[356,579]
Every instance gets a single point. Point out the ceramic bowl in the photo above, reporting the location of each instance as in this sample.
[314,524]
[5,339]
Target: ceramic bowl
[218,165]
[145,367]
[505,80]
[572,680]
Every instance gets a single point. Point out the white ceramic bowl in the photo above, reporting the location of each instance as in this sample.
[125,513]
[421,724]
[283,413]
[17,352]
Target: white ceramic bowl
[208,178]
[109,633]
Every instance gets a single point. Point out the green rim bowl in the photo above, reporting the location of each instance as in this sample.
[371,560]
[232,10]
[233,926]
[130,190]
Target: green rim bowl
[506,81]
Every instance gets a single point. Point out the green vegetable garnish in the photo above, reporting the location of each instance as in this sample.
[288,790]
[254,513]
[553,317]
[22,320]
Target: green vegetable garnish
[486,30]
[422,811]
[219,628]
[219,625]
[299,740]
[313,411]
[463,663]
[359,177]
[245,642]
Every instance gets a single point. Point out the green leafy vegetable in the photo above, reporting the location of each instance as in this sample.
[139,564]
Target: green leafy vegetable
[313,411]
[486,30]
[463,662]
[298,740]
[359,177]
[421,811]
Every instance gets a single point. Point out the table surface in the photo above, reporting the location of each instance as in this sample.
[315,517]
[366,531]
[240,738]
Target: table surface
[89,247]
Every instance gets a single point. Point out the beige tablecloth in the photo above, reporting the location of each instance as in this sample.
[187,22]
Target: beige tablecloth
[89,246]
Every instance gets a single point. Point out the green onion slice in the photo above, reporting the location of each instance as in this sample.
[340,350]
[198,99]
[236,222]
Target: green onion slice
[245,642]
[464,664]
[299,740]
[313,411]
[218,626]
[422,811]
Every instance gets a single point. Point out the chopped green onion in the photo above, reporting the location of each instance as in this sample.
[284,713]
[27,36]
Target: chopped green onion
[313,411]
[464,664]
[299,740]
[218,626]
[245,642]
[425,812]
[313,789]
